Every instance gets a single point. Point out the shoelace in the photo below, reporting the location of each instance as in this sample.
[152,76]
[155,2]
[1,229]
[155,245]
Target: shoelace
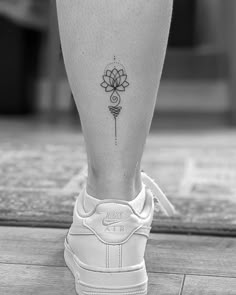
[160,199]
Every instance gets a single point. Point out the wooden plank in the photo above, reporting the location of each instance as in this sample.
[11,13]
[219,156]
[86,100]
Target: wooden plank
[201,285]
[164,284]
[28,279]
[177,254]
[38,246]
[44,280]
[183,254]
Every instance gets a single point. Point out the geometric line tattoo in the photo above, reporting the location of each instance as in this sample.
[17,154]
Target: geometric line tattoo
[115,81]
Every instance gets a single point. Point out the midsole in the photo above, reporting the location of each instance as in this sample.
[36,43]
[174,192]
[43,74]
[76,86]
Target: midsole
[112,280]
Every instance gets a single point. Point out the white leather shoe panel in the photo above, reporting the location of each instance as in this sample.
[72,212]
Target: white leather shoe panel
[88,249]
[133,250]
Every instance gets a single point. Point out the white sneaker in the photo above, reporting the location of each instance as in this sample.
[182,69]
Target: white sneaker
[105,245]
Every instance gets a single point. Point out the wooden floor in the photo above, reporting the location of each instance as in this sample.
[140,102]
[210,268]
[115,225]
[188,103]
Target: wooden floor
[31,262]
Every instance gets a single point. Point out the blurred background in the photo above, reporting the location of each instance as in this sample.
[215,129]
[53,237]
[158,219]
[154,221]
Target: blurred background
[191,149]
[199,77]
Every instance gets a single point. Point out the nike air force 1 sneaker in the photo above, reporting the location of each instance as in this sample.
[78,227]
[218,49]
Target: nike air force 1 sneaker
[105,245]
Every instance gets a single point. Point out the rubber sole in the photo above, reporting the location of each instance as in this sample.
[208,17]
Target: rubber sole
[88,282]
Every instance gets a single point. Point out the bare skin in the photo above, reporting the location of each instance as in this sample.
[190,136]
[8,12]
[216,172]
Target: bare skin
[97,37]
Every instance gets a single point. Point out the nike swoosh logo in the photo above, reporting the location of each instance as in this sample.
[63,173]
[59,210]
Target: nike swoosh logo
[106,222]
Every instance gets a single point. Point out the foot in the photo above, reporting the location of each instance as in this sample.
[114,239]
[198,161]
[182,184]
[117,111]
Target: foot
[106,243]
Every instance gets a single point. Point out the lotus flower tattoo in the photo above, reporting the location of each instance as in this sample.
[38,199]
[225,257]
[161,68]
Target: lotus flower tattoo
[115,81]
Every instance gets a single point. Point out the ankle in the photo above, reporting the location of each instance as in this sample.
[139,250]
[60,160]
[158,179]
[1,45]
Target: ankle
[114,185]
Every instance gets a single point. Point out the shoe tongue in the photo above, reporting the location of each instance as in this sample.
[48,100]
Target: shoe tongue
[137,203]
[89,202]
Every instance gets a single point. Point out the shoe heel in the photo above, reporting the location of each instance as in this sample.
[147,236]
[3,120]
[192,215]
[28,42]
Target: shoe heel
[89,282]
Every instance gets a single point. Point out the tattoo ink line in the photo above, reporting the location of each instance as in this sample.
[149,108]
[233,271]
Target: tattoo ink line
[115,81]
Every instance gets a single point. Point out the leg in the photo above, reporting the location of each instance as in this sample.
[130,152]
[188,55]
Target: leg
[114,52]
